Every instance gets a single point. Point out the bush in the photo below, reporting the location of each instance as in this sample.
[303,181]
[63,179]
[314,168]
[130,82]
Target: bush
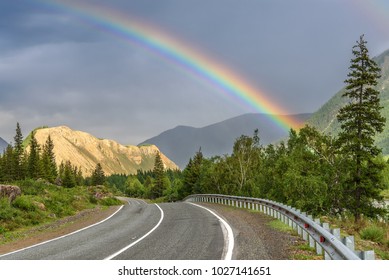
[24,203]
[31,187]
[109,201]
[373,233]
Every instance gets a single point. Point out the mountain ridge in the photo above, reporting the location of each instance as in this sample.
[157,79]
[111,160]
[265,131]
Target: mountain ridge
[3,145]
[182,142]
[85,151]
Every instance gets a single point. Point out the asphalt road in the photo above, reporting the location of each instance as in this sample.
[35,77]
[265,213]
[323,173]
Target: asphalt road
[139,231]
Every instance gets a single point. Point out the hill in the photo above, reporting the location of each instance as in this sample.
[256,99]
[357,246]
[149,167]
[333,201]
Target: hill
[3,145]
[325,118]
[182,142]
[85,150]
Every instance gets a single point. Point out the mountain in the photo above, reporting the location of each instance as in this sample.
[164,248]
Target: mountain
[182,142]
[85,150]
[3,145]
[325,118]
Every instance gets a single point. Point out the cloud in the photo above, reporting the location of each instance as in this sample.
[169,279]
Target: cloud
[55,69]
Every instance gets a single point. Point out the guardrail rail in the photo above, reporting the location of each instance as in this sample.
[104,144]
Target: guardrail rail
[319,235]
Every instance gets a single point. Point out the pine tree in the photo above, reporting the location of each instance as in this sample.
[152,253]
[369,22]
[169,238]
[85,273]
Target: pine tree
[34,163]
[48,161]
[68,180]
[159,175]
[98,176]
[18,154]
[360,121]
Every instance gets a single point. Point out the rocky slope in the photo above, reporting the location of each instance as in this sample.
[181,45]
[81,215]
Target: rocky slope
[85,150]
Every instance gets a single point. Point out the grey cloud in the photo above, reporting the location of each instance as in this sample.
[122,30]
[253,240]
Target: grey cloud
[57,70]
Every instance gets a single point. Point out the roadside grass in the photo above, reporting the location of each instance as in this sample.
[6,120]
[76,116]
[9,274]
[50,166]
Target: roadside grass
[300,250]
[369,234]
[42,203]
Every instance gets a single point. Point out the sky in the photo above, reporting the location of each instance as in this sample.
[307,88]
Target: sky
[60,67]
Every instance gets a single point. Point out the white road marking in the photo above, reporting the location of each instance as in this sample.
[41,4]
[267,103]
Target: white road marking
[140,239]
[229,239]
[60,237]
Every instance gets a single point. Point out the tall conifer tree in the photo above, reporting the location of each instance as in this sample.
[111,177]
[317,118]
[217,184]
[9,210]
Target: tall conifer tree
[361,120]
[34,163]
[18,154]
[159,177]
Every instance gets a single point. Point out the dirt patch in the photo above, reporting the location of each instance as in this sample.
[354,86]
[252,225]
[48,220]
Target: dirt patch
[55,229]
[254,239]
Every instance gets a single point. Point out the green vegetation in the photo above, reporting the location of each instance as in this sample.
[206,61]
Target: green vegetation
[48,192]
[373,233]
[325,118]
[360,121]
[43,202]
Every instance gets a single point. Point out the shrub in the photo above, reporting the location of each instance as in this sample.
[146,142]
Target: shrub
[373,233]
[24,203]
[109,201]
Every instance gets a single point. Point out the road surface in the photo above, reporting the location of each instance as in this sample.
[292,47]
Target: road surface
[139,231]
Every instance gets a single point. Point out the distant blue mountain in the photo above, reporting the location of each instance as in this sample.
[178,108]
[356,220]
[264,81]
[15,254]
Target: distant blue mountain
[182,142]
[3,145]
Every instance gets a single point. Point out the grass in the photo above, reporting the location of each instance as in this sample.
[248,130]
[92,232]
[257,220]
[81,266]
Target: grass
[41,203]
[385,194]
[373,233]
[280,226]
[369,234]
[300,250]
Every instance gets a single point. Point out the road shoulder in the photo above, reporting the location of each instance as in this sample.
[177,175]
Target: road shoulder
[57,228]
[254,238]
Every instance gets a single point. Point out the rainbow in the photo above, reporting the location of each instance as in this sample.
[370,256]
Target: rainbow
[171,49]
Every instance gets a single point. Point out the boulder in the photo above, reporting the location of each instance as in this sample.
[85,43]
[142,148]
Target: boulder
[11,192]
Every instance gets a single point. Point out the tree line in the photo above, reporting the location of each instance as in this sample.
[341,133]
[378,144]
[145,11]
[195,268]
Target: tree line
[38,162]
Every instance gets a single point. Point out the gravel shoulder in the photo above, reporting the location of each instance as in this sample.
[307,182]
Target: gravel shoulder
[55,229]
[254,239]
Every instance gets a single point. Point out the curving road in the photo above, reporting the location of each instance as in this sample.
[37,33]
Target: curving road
[139,231]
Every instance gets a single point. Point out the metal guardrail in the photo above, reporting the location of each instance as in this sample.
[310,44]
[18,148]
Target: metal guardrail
[319,235]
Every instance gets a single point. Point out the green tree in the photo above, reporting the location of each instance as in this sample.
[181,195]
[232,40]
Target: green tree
[68,180]
[159,177]
[34,163]
[98,176]
[48,161]
[8,164]
[361,120]
[18,154]
[244,163]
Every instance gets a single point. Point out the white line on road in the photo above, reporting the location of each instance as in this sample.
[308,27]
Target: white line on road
[229,239]
[140,239]
[57,238]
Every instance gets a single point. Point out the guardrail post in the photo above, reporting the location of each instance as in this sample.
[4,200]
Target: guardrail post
[327,256]
[305,235]
[326,226]
[366,255]
[336,232]
[299,231]
[311,241]
[290,222]
[349,241]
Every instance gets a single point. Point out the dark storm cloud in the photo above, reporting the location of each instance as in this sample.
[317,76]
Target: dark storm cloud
[56,69]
